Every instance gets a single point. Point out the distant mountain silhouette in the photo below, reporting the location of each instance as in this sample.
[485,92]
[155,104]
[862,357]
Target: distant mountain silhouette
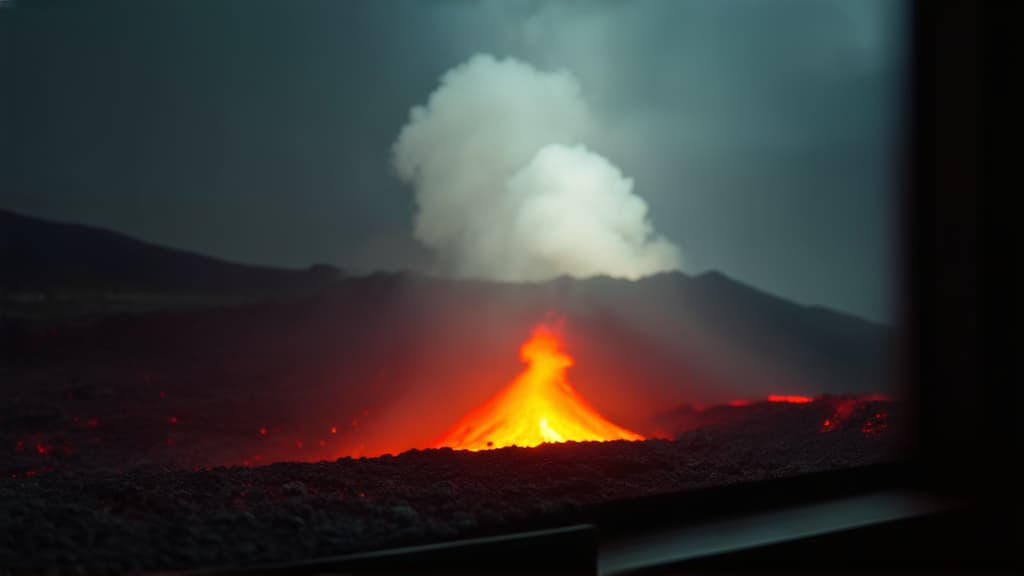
[37,254]
[382,350]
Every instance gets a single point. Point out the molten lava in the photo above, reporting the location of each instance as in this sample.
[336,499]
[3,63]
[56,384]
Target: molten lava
[790,399]
[539,406]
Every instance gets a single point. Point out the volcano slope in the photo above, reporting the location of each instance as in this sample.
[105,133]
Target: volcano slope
[357,367]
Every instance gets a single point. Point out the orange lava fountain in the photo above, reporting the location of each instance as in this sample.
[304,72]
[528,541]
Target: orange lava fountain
[539,406]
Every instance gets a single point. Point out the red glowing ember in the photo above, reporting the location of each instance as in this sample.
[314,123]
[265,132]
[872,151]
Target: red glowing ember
[876,425]
[539,406]
[846,409]
[790,399]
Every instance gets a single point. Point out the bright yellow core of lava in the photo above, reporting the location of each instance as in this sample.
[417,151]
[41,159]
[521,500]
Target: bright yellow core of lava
[539,406]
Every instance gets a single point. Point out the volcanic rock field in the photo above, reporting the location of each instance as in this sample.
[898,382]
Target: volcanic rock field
[160,517]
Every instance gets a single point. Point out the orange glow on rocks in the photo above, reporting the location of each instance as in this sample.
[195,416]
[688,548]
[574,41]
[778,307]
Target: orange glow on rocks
[539,406]
[876,425]
[792,399]
[847,407]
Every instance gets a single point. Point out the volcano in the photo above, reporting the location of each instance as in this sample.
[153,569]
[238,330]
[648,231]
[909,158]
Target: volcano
[248,366]
[293,405]
[538,406]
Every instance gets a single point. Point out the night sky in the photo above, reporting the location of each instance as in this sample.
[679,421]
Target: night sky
[764,136]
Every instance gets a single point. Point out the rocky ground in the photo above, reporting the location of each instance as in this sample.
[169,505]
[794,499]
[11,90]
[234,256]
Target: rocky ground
[158,517]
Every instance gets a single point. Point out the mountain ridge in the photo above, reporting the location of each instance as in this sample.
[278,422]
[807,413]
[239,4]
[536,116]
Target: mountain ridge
[68,255]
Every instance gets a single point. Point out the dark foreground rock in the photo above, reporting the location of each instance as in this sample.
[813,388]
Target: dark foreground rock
[175,519]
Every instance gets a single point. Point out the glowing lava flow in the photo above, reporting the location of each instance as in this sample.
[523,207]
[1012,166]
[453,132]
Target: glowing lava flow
[789,399]
[539,406]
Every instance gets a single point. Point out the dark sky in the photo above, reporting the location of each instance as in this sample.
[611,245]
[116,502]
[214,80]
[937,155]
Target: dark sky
[765,136]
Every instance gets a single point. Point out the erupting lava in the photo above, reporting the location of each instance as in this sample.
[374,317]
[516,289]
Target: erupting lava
[790,399]
[539,406]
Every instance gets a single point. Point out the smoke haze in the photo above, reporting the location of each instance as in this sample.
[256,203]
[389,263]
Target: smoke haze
[506,188]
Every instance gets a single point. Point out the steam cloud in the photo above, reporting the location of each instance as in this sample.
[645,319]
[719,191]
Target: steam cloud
[506,190]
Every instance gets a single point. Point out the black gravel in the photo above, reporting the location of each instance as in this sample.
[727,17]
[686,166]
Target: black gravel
[150,518]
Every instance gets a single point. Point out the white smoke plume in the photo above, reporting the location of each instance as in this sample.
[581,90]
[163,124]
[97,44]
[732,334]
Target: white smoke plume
[505,188]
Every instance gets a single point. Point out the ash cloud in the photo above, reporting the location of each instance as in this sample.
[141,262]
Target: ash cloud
[506,188]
